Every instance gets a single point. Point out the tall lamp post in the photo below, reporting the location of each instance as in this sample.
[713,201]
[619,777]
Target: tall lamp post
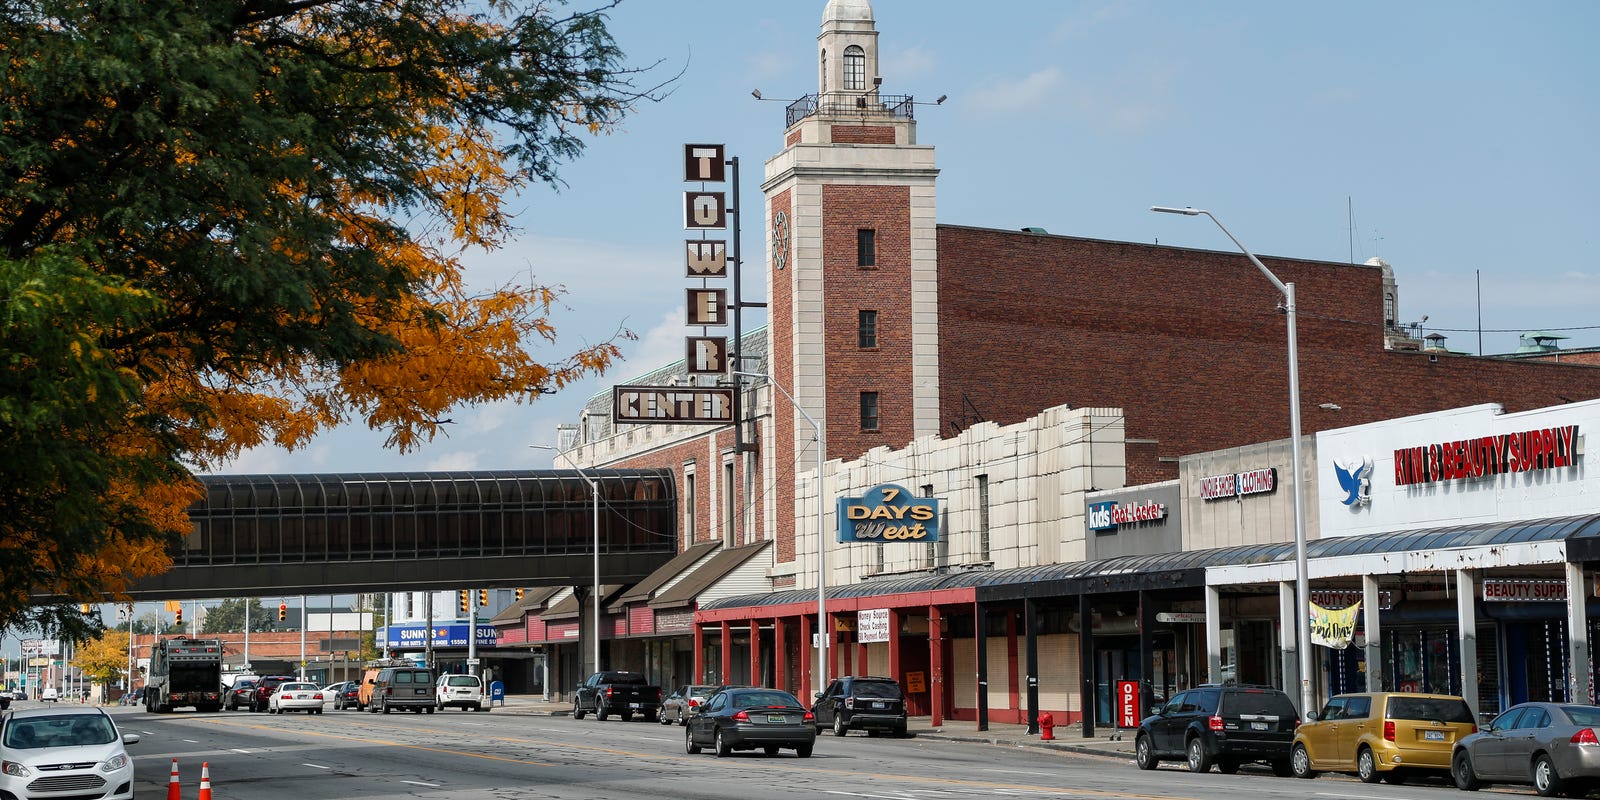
[594,494]
[823,634]
[1301,580]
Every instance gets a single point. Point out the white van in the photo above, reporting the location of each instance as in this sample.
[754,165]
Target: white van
[465,691]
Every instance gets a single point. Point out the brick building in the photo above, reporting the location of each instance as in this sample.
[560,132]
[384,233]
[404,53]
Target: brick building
[1008,373]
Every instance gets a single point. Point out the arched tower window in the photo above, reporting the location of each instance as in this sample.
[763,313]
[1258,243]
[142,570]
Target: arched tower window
[855,68]
[824,83]
[1388,309]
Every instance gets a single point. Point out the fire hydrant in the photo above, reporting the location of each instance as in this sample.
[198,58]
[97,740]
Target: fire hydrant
[1047,726]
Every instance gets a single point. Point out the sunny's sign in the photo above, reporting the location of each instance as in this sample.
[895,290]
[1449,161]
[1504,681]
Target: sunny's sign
[888,513]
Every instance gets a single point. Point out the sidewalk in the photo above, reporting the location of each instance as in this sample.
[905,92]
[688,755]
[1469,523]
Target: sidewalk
[1067,738]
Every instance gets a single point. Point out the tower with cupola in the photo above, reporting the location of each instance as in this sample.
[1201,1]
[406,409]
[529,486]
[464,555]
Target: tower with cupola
[852,259]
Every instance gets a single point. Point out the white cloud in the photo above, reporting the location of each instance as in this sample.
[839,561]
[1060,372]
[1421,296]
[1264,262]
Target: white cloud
[1037,90]
[902,66]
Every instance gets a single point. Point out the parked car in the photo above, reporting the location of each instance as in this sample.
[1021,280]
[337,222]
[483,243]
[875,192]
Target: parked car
[5,700]
[345,694]
[1383,736]
[1553,746]
[750,719]
[55,750]
[239,693]
[403,688]
[465,691]
[296,696]
[871,704]
[683,702]
[1225,725]
[261,693]
[617,692]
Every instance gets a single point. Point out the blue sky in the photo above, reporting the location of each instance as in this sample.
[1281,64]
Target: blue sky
[1458,137]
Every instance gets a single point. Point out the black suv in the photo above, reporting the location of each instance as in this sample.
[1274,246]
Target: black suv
[1222,725]
[874,705]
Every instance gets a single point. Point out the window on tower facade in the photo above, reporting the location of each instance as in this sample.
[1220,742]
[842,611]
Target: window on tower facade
[869,411]
[688,504]
[867,329]
[866,247]
[730,505]
[824,83]
[855,68]
[983,517]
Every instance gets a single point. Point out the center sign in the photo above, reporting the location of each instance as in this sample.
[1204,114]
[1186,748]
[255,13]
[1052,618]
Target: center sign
[888,513]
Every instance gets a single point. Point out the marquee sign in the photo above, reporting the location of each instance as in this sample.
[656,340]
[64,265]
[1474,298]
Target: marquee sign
[1540,449]
[671,405]
[442,635]
[888,513]
[1239,484]
[1111,515]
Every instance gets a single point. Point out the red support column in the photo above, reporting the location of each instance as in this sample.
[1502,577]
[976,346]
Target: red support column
[935,667]
[835,652]
[726,662]
[1014,694]
[699,654]
[806,657]
[894,645]
[755,652]
[780,656]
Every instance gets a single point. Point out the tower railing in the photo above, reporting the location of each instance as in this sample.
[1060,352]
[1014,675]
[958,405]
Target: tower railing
[845,104]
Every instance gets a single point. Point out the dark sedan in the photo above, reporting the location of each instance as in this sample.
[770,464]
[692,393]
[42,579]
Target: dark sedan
[1553,746]
[239,693]
[344,695]
[751,719]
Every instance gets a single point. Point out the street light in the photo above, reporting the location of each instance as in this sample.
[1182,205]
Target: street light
[594,494]
[1301,581]
[822,597]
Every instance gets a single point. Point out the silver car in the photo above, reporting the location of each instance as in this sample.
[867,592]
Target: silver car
[681,704]
[1553,746]
[67,752]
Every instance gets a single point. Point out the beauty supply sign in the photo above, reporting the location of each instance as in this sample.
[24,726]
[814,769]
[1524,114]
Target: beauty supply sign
[1473,465]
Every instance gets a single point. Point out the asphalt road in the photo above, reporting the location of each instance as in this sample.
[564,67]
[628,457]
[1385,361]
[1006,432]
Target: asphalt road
[353,755]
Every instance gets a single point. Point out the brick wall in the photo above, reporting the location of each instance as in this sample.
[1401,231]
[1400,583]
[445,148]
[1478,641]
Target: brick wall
[780,348]
[848,289]
[1190,343]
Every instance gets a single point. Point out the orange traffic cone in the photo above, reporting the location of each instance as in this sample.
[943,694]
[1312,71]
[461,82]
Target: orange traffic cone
[205,780]
[172,784]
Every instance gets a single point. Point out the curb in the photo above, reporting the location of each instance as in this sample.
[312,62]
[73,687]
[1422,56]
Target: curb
[1059,747]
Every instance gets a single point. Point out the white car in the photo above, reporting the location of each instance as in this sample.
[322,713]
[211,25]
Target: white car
[307,697]
[50,752]
[465,691]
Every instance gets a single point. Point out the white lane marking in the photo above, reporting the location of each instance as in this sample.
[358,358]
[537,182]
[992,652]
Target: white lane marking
[315,766]
[192,741]
[420,783]
[241,750]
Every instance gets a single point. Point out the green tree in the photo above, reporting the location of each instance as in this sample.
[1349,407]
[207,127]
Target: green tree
[239,222]
[228,617]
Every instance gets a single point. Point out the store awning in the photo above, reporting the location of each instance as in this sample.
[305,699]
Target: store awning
[646,589]
[571,606]
[1579,534]
[532,600]
[689,588]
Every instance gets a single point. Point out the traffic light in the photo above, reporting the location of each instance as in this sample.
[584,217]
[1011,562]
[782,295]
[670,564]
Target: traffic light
[519,594]
[483,597]
[177,615]
[283,612]
[464,600]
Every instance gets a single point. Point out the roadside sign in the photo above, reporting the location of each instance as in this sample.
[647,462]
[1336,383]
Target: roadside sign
[1127,704]
[473,662]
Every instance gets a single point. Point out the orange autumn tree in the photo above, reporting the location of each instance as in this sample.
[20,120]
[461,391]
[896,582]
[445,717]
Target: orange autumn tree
[239,222]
